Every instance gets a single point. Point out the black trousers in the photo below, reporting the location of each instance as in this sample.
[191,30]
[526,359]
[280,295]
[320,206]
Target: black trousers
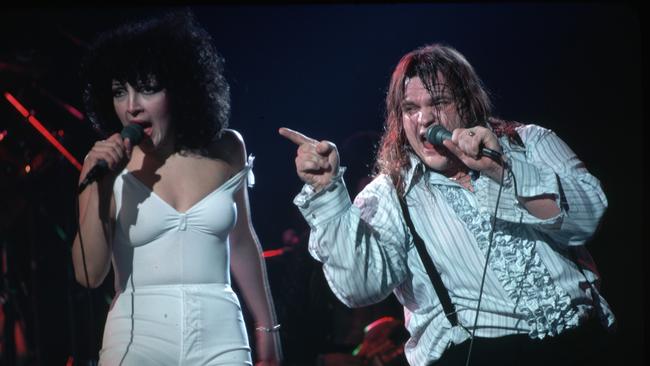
[589,344]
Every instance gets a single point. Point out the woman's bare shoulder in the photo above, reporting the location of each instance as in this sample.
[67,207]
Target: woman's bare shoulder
[229,147]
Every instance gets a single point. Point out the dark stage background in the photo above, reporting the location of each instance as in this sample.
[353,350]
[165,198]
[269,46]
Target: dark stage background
[323,70]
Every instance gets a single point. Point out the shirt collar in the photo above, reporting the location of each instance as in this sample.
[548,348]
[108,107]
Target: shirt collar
[418,170]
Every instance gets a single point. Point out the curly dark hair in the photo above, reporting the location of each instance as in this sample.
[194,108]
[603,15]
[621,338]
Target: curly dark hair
[471,99]
[179,54]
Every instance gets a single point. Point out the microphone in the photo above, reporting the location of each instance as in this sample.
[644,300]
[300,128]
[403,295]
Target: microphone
[134,132]
[436,134]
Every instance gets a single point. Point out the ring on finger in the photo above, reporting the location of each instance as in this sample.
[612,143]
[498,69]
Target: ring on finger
[470,133]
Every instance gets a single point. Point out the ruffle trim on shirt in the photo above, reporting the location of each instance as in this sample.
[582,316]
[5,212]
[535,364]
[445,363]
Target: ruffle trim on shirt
[519,269]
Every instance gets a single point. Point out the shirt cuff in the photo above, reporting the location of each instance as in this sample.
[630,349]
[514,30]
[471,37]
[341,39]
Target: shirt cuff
[529,180]
[330,202]
[532,181]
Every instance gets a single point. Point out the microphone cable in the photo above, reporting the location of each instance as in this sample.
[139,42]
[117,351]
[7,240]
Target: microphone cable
[134,132]
[487,258]
[91,313]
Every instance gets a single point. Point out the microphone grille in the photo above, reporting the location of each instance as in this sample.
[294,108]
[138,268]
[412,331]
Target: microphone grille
[134,132]
[437,134]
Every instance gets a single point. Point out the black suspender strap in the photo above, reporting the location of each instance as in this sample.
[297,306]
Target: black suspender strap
[434,276]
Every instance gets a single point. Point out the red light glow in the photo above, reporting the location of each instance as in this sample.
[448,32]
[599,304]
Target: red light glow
[272,253]
[40,128]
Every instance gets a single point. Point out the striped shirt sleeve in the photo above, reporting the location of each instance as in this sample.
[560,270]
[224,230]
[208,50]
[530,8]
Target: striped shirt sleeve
[550,167]
[362,246]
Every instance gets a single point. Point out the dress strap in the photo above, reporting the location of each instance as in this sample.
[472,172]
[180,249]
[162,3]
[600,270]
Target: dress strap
[245,175]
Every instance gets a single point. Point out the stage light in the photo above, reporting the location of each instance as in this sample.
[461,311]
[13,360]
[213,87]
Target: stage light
[272,253]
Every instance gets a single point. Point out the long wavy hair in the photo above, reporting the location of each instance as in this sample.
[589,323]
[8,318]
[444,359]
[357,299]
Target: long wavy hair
[179,55]
[471,99]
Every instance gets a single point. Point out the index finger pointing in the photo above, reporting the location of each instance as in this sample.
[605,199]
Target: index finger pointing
[295,136]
